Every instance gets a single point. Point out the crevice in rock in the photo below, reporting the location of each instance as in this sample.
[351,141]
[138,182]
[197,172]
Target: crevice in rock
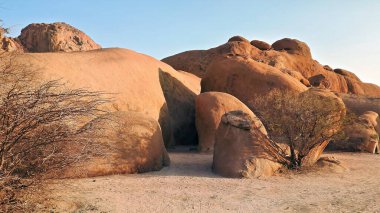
[180,101]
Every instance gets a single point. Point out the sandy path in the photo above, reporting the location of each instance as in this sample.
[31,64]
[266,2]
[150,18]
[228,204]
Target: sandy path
[189,186]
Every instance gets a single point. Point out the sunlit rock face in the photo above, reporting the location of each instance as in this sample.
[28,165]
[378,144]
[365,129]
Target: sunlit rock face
[210,107]
[129,142]
[288,56]
[241,149]
[55,37]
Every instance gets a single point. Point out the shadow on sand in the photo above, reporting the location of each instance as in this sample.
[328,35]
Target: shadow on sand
[190,163]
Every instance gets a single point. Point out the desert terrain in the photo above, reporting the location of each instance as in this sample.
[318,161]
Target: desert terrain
[188,185]
[244,126]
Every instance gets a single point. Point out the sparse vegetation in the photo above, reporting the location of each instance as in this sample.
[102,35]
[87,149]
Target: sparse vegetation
[300,121]
[44,125]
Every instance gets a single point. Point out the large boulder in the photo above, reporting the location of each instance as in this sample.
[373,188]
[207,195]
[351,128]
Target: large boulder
[292,46]
[55,37]
[238,38]
[246,79]
[197,61]
[362,135]
[194,61]
[210,107]
[373,119]
[319,81]
[261,45]
[133,79]
[180,90]
[241,149]
[127,142]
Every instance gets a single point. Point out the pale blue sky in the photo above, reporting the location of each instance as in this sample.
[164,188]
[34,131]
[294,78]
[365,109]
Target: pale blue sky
[340,33]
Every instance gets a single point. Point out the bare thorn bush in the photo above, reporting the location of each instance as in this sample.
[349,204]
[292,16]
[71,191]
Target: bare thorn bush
[44,125]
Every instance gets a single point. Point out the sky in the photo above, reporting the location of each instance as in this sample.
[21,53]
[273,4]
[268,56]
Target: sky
[341,33]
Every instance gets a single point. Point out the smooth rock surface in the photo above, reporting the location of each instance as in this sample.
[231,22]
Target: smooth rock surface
[55,37]
[210,107]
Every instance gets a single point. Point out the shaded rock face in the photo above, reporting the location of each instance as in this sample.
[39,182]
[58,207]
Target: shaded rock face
[180,90]
[55,37]
[328,68]
[261,45]
[346,73]
[210,107]
[319,81]
[130,142]
[241,149]
[285,54]
[363,135]
[361,104]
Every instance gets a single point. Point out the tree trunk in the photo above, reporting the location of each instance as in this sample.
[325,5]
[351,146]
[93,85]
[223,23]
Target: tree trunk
[293,158]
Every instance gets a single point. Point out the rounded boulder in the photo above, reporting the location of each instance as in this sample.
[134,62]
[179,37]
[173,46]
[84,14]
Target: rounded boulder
[210,107]
[127,142]
[238,38]
[261,45]
[55,37]
[241,150]
[292,46]
[246,79]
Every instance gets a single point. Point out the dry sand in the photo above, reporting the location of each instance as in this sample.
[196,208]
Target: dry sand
[188,185]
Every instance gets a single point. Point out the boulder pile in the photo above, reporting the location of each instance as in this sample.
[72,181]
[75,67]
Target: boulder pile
[201,98]
[285,54]
[249,70]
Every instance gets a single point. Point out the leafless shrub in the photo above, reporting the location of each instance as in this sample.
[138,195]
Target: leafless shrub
[44,125]
[300,121]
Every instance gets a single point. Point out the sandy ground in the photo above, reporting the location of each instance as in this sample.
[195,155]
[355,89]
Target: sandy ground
[188,185]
